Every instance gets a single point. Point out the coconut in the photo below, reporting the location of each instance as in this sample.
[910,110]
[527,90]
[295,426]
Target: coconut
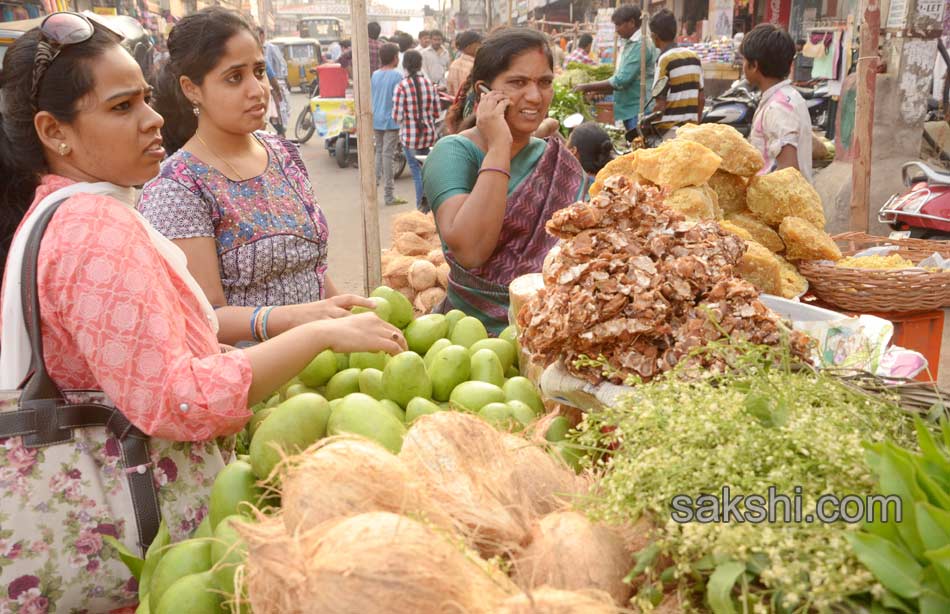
[396,273]
[414,222]
[548,483]
[386,257]
[436,256]
[567,551]
[426,300]
[406,291]
[422,275]
[469,472]
[346,475]
[409,244]
[546,600]
[372,563]
[442,274]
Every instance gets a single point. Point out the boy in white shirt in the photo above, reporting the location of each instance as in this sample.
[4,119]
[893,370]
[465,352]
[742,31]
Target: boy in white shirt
[781,127]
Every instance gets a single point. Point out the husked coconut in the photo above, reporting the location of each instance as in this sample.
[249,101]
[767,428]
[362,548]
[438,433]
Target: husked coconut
[426,300]
[415,222]
[567,551]
[407,291]
[396,273]
[422,275]
[409,244]
[373,563]
[546,600]
[346,475]
[548,482]
[436,257]
[442,275]
[467,469]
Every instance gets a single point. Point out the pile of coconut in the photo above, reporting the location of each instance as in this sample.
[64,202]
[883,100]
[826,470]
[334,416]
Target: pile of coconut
[415,265]
[464,519]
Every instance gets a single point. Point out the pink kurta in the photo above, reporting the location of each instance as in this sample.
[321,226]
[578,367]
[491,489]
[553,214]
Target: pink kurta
[117,318]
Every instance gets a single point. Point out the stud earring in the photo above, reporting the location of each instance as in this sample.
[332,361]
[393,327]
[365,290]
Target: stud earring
[64,149]
[195,109]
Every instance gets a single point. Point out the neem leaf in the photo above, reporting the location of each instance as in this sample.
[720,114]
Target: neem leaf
[893,566]
[720,585]
[131,561]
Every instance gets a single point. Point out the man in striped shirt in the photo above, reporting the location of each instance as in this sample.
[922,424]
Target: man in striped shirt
[581,53]
[684,100]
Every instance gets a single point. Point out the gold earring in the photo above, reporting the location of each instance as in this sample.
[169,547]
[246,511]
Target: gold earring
[64,149]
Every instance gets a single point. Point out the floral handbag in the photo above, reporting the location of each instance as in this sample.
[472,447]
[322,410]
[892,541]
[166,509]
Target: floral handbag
[73,469]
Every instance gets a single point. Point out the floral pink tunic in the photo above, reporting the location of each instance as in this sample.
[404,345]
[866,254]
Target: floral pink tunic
[116,319]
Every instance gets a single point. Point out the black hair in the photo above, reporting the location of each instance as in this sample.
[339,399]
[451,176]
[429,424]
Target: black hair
[585,41]
[374,30]
[405,42]
[412,61]
[436,33]
[771,48]
[663,25]
[423,33]
[494,57]
[388,53]
[466,38]
[594,148]
[625,13]
[66,81]
[346,43]
[195,46]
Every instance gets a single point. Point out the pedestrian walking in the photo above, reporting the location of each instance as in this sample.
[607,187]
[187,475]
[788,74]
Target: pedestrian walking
[383,89]
[416,109]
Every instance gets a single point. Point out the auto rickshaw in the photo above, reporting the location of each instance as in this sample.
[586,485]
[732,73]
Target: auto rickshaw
[302,55]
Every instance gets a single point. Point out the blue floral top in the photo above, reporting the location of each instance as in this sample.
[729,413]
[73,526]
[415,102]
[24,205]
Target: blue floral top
[270,234]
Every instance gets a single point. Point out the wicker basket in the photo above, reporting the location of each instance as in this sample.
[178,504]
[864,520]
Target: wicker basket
[865,290]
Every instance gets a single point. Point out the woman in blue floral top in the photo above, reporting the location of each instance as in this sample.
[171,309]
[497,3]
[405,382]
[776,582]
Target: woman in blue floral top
[238,201]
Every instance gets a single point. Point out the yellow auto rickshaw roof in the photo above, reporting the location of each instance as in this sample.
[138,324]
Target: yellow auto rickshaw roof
[294,40]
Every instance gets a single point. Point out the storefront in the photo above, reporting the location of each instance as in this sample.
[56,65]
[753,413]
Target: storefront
[14,10]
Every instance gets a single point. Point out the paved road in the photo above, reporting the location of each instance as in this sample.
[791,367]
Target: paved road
[338,192]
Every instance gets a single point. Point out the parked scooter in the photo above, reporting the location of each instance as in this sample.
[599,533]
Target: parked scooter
[922,211]
[646,133]
[818,101]
[735,107]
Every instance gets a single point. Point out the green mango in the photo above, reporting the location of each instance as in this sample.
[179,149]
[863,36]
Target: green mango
[558,429]
[371,383]
[382,309]
[393,408]
[522,412]
[258,418]
[424,331]
[369,360]
[504,350]
[192,556]
[203,530]
[512,372]
[437,347]
[420,407]
[143,607]
[343,383]
[273,401]
[453,317]
[194,593]
[298,389]
[521,389]
[363,415]
[334,404]
[468,331]
[342,361]
[233,486]
[320,369]
[510,335]
[294,425]
[405,377]
[570,454]
[153,555]
[498,414]
[228,551]
[401,309]
[449,368]
[487,368]
[472,396]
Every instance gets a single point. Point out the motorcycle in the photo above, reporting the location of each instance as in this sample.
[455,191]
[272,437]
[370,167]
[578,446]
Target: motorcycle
[922,211]
[646,131]
[735,107]
[818,101]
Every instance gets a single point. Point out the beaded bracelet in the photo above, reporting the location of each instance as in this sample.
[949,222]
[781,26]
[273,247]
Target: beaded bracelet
[267,312]
[492,169]
[254,323]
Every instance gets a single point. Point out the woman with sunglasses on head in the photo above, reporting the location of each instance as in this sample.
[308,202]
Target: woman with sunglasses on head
[493,186]
[236,200]
[119,313]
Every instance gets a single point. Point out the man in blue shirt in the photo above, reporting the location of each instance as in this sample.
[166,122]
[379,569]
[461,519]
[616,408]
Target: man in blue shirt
[382,88]
[625,83]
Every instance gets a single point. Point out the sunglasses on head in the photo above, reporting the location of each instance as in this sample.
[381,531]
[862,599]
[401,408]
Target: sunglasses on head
[58,31]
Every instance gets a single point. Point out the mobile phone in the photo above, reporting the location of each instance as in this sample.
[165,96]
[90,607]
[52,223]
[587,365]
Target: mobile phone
[483,88]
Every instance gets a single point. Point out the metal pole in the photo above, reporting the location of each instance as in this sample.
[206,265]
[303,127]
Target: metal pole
[366,151]
[864,114]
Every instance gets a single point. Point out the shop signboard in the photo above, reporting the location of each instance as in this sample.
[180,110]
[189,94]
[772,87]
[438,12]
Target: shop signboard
[777,12]
[720,17]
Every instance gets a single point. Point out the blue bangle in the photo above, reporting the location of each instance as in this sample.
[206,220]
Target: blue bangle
[253,319]
[264,324]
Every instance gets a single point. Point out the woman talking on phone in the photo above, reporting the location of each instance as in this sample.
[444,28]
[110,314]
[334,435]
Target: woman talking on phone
[493,185]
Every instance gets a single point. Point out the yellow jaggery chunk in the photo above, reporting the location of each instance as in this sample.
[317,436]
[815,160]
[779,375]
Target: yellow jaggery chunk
[739,231]
[805,242]
[759,230]
[783,194]
[889,262]
[696,203]
[761,268]
[730,189]
[793,282]
[739,157]
[677,164]
[625,165]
